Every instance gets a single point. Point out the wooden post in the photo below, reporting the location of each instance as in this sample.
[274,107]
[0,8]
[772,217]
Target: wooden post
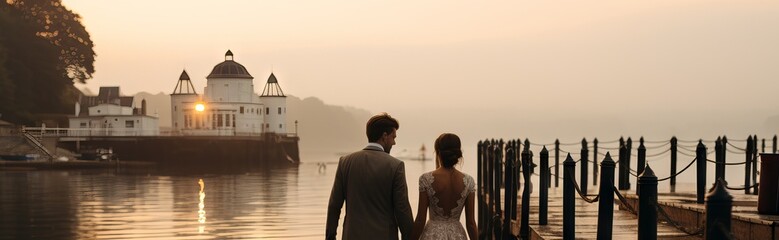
[641,161]
[719,171]
[543,198]
[479,182]
[719,206]
[509,186]
[623,168]
[700,155]
[628,156]
[569,203]
[762,150]
[748,165]
[724,143]
[556,162]
[606,202]
[498,167]
[754,165]
[647,202]
[595,162]
[774,149]
[673,163]
[584,167]
[524,229]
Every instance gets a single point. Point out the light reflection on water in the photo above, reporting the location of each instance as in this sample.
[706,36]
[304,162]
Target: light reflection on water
[285,203]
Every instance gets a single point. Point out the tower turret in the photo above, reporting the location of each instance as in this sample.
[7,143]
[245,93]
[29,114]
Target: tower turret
[182,101]
[275,106]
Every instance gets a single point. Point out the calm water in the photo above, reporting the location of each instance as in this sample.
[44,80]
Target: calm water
[288,203]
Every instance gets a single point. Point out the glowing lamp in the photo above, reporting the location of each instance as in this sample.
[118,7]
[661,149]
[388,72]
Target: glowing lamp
[200,107]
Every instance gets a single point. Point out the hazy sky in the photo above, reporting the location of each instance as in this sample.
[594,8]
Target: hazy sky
[478,67]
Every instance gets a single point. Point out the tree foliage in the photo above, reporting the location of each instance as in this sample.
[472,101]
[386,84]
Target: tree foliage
[44,49]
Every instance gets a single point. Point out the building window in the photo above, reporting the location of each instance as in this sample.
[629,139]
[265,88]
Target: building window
[227,120]
[213,121]
[267,111]
[129,124]
[279,126]
[233,120]
[241,110]
[83,124]
[174,108]
[279,110]
[219,120]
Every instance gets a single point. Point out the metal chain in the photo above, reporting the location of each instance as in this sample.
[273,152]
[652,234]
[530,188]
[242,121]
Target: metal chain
[624,202]
[734,146]
[680,172]
[712,161]
[658,154]
[742,188]
[578,190]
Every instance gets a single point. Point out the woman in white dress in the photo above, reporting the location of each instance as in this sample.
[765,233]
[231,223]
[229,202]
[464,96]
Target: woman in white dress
[445,192]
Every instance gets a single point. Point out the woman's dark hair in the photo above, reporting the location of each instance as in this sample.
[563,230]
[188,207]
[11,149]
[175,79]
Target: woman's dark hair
[447,147]
[380,124]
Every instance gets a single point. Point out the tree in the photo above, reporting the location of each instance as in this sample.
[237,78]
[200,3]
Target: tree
[44,49]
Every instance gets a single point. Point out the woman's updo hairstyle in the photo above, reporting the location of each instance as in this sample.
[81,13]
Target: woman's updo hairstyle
[447,147]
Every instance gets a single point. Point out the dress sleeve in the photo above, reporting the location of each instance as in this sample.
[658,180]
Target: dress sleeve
[422,183]
[471,185]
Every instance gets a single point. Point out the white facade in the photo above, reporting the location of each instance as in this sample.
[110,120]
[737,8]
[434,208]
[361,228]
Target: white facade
[114,125]
[230,107]
[109,114]
[276,118]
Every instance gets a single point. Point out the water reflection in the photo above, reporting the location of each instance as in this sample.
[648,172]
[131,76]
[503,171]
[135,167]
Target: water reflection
[201,212]
[282,203]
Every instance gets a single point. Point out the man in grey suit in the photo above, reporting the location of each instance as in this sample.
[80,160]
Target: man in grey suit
[373,184]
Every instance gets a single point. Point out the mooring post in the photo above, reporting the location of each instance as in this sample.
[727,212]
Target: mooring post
[724,143]
[647,202]
[543,198]
[719,206]
[628,156]
[490,227]
[623,168]
[700,155]
[641,161]
[569,205]
[748,165]
[673,163]
[479,182]
[556,162]
[524,228]
[762,149]
[595,162]
[499,158]
[719,168]
[584,167]
[754,166]
[774,149]
[508,175]
[606,202]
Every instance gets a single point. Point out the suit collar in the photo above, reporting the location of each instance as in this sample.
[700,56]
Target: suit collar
[374,147]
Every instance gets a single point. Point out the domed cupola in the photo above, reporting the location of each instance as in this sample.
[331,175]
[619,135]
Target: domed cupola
[229,69]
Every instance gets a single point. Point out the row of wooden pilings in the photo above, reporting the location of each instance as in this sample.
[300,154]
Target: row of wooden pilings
[501,163]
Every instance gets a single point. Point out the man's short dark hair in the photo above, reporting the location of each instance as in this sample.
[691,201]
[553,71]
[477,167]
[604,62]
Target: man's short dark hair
[380,124]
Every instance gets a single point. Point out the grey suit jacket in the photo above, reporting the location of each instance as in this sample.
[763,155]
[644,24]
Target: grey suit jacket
[373,184]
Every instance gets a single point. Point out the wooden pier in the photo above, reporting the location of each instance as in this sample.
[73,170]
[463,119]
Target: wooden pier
[612,209]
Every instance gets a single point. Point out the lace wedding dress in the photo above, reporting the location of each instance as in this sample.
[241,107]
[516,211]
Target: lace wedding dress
[444,225]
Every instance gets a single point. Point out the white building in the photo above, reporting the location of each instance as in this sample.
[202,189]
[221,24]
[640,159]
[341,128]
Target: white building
[229,106]
[109,114]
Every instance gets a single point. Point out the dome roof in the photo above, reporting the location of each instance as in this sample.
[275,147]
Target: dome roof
[229,69]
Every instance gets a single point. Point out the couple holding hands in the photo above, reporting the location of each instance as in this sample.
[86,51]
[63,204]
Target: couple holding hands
[373,185]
